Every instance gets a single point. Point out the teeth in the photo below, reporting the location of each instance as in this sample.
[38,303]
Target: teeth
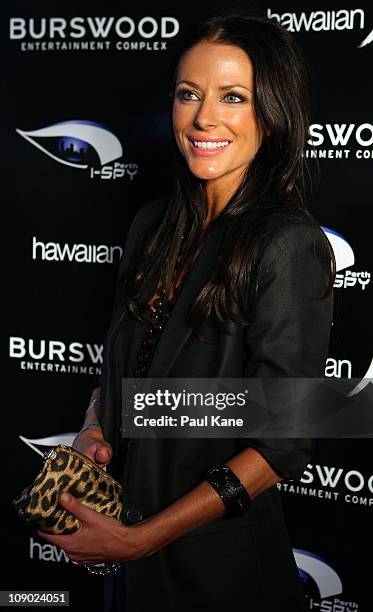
[210,145]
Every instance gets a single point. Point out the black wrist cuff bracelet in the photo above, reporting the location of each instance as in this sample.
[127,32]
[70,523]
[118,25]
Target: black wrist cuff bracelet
[236,499]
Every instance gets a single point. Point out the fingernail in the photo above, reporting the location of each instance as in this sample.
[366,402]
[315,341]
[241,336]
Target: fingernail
[65,497]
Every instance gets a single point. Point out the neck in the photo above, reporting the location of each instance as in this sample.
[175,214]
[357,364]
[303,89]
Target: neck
[219,192]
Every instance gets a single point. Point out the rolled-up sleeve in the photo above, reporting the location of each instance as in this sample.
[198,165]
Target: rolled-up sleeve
[290,327]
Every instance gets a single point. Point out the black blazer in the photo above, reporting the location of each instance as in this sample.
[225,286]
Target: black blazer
[289,336]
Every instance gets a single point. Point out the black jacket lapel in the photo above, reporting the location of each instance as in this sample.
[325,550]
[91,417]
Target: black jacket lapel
[177,332]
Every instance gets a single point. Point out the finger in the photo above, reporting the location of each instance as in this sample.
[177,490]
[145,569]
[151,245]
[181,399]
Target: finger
[89,453]
[103,454]
[70,503]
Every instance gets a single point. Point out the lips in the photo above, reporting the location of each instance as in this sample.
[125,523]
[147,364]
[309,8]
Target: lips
[207,152]
[210,139]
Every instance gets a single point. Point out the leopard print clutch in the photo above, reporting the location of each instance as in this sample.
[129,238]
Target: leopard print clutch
[65,469]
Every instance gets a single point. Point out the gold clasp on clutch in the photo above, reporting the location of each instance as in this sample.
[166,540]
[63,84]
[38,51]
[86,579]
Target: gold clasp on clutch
[51,454]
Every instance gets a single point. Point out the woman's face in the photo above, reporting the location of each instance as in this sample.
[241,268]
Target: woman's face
[213,103]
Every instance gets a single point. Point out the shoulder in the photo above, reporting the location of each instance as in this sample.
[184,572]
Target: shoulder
[295,237]
[297,255]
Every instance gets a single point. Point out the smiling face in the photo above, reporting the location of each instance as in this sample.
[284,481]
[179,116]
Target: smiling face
[213,115]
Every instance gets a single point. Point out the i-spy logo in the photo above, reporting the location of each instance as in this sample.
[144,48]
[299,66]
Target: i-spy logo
[322,584]
[345,258]
[85,145]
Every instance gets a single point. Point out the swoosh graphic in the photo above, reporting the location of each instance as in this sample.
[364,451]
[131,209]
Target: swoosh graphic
[105,143]
[344,254]
[366,40]
[326,578]
[63,438]
[366,380]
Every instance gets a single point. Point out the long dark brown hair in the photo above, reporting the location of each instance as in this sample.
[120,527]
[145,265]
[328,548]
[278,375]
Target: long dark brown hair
[272,190]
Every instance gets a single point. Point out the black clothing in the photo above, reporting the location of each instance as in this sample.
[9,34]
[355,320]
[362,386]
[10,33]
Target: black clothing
[244,562]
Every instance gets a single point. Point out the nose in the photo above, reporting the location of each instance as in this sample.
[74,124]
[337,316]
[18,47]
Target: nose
[205,115]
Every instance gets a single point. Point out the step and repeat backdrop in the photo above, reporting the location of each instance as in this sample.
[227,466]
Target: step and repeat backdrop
[86,141]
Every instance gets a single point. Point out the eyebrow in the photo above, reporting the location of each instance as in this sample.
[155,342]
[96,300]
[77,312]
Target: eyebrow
[222,88]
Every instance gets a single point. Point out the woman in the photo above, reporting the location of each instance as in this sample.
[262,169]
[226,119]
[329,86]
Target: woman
[244,273]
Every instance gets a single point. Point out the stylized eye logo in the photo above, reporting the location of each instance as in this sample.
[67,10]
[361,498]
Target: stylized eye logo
[76,143]
[325,577]
[344,255]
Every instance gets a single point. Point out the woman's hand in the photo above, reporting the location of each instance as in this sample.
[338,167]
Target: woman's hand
[99,538]
[91,442]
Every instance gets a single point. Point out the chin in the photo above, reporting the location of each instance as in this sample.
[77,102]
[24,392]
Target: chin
[203,173]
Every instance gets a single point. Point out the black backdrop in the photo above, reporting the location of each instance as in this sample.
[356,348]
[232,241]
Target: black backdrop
[59,282]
